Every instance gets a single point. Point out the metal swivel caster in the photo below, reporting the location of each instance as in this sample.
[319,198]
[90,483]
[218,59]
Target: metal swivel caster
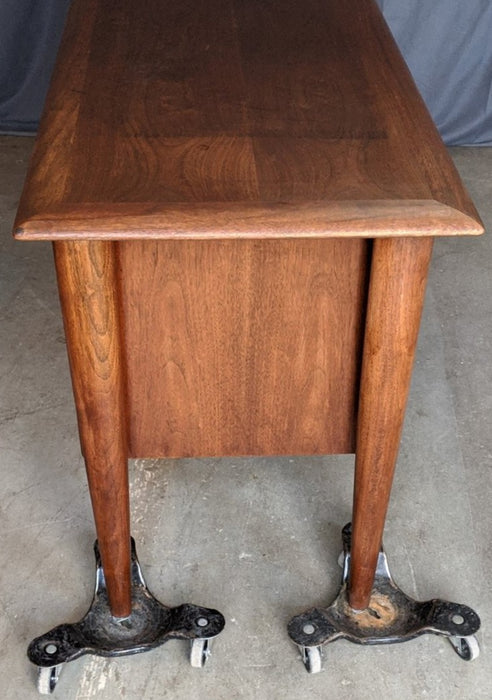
[390,617]
[149,625]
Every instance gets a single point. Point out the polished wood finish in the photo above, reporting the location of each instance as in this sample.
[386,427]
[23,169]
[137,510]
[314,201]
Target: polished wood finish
[243,347]
[205,168]
[316,219]
[88,285]
[227,118]
[396,296]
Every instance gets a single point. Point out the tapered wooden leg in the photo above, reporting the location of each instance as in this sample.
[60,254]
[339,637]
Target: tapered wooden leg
[397,285]
[88,284]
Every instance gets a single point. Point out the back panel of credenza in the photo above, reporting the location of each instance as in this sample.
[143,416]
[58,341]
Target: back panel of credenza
[242,347]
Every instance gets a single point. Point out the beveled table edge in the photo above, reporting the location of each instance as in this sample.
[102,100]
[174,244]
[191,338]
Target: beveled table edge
[224,220]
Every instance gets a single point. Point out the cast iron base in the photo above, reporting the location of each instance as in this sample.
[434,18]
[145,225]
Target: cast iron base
[149,625]
[391,617]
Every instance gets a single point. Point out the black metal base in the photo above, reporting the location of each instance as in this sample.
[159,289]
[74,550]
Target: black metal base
[391,617]
[149,625]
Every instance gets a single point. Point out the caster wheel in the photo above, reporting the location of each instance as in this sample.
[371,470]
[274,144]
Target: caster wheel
[311,658]
[466,647]
[47,679]
[200,651]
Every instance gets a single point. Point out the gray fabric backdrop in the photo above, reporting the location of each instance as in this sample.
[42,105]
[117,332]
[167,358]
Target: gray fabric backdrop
[30,32]
[447,45]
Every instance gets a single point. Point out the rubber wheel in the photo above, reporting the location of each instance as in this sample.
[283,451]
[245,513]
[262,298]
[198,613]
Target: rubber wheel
[466,647]
[311,658]
[200,651]
[47,679]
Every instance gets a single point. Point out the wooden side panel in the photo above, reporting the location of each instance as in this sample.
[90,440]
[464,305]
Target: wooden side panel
[242,347]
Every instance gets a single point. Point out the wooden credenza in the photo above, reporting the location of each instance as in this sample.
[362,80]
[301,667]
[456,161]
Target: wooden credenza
[242,198]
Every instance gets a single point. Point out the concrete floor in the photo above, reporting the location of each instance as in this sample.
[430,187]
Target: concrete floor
[256,538]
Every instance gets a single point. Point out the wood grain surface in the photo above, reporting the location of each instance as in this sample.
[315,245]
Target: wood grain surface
[226,118]
[88,285]
[396,296]
[243,347]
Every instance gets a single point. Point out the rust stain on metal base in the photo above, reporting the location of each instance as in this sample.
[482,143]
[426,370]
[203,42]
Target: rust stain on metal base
[380,614]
